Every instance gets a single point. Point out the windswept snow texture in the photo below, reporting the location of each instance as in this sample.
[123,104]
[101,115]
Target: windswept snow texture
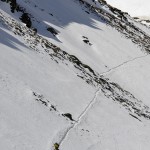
[80,83]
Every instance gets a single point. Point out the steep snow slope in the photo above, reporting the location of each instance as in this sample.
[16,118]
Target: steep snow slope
[83,88]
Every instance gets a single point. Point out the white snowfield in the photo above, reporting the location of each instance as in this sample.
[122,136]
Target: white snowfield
[86,88]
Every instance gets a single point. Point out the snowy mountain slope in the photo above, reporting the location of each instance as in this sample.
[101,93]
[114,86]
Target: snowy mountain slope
[66,84]
[76,38]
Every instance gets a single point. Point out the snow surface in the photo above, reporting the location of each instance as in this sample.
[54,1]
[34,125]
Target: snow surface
[36,91]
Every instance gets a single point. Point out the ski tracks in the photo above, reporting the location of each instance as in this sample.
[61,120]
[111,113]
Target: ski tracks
[122,64]
[83,113]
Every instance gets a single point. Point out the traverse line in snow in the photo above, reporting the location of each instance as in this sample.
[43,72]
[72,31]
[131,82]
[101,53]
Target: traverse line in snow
[83,113]
[89,105]
[122,64]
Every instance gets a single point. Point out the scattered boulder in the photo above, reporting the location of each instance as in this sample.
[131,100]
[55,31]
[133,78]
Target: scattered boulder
[35,31]
[84,37]
[68,115]
[13,5]
[26,19]
[52,30]
[56,146]
[53,107]
[87,12]
[86,40]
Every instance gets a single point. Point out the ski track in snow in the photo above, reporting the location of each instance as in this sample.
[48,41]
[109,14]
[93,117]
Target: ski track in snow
[83,113]
[122,64]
